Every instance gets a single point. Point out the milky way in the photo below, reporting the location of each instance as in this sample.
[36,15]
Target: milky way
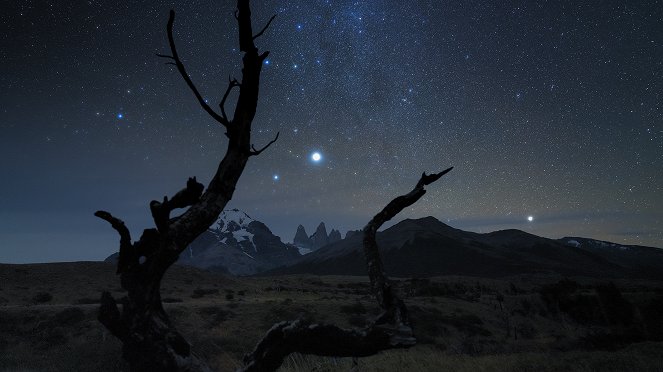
[545,109]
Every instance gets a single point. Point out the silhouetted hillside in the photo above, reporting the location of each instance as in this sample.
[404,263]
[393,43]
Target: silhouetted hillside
[428,247]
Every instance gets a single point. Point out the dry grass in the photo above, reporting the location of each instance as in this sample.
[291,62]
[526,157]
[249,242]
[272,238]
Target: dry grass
[462,324]
[642,357]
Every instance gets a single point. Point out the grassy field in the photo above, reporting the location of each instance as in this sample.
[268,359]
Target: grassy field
[48,320]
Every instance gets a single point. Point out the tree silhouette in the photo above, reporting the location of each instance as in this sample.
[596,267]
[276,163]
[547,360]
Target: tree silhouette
[150,340]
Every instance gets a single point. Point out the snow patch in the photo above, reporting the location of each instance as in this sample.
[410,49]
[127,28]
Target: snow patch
[242,235]
[303,251]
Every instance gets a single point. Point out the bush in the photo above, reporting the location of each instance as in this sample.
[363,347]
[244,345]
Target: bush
[171,300]
[216,315]
[69,316]
[617,309]
[199,292]
[356,308]
[357,320]
[42,297]
[88,301]
[607,307]
[652,318]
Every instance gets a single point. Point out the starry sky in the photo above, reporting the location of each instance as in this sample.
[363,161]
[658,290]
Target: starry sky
[550,111]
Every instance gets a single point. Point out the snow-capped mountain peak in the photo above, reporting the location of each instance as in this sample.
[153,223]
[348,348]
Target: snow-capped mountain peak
[233,224]
[231,220]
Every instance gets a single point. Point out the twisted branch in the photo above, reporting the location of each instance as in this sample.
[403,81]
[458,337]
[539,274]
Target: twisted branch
[184,198]
[180,67]
[264,28]
[390,330]
[255,152]
[231,84]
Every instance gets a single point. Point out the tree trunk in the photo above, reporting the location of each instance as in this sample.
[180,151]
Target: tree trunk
[150,341]
[390,330]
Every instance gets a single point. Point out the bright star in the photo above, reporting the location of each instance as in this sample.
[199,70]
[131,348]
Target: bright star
[530,218]
[275,177]
[316,157]
[120,116]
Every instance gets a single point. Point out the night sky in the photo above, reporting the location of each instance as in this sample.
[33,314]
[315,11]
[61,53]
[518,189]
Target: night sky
[546,109]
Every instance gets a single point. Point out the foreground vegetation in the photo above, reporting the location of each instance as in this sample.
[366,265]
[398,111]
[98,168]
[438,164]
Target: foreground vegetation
[48,320]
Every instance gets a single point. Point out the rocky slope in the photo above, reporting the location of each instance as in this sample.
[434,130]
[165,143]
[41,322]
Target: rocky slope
[237,244]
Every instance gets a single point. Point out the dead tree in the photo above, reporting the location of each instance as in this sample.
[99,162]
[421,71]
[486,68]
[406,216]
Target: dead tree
[150,341]
[390,330]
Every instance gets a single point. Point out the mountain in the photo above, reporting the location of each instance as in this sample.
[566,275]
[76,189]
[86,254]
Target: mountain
[307,244]
[334,236]
[428,247]
[301,238]
[320,237]
[645,260]
[236,244]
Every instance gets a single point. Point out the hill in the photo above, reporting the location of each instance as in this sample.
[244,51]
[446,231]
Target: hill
[427,247]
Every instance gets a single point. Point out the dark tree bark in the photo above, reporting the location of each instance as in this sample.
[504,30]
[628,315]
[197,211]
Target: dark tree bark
[390,330]
[150,341]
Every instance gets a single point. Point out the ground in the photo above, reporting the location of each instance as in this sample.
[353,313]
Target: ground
[48,320]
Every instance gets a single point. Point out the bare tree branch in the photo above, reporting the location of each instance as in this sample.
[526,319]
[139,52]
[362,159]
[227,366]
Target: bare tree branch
[243,16]
[126,256]
[264,28]
[322,339]
[255,152]
[185,75]
[151,341]
[117,224]
[382,289]
[164,56]
[109,316]
[231,84]
[184,198]
[391,329]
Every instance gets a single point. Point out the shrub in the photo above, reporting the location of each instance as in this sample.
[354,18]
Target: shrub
[216,315]
[69,316]
[357,320]
[356,308]
[87,301]
[617,309]
[171,300]
[42,297]
[199,292]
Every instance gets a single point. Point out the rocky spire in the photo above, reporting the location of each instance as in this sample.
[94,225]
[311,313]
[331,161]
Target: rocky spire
[320,237]
[334,236]
[301,238]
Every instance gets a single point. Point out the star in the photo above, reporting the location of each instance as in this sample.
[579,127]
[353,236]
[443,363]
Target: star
[275,177]
[316,157]
[120,115]
[530,218]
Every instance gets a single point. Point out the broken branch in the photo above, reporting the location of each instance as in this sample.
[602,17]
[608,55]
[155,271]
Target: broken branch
[255,152]
[264,28]
[231,84]
[185,75]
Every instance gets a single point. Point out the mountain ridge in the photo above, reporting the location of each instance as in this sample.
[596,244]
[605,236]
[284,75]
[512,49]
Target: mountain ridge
[428,247]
